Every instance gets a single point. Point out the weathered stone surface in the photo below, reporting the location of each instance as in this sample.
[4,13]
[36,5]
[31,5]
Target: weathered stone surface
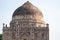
[25,25]
[27,9]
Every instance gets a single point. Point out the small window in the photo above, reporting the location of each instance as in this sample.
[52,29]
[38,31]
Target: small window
[24,39]
[24,24]
[32,24]
[31,39]
[42,34]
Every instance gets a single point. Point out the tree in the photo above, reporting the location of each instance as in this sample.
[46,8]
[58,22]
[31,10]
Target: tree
[0,36]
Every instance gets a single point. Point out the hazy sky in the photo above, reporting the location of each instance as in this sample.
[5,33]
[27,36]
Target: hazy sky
[49,8]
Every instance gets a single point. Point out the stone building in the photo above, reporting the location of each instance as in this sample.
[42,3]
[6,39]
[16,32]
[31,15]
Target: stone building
[27,24]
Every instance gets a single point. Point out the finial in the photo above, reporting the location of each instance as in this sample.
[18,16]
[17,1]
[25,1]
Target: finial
[3,24]
[47,24]
[27,1]
[6,25]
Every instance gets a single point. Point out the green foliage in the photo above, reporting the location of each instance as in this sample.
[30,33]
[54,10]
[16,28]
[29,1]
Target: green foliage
[0,36]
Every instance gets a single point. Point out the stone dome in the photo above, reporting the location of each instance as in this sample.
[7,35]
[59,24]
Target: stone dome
[28,14]
[27,9]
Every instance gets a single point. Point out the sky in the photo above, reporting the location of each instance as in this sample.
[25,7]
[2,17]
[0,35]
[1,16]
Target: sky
[49,8]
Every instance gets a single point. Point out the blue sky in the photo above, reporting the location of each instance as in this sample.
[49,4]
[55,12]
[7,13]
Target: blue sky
[49,8]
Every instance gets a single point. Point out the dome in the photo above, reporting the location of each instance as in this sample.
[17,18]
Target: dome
[28,14]
[27,9]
